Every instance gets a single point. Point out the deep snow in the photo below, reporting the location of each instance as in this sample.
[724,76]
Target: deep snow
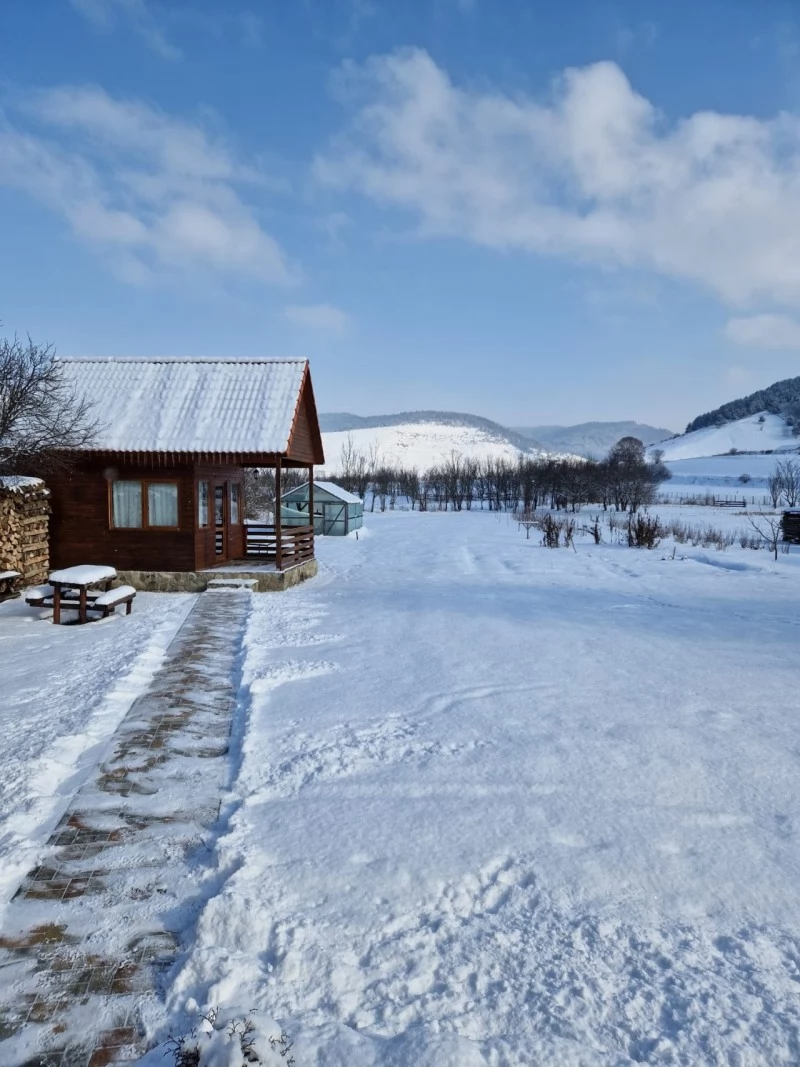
[508,805]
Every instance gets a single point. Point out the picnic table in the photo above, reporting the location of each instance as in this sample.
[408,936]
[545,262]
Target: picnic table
[72,584]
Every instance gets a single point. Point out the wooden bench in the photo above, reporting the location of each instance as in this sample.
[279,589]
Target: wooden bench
[730,503]
[39,596]
[7,580]
[106,603]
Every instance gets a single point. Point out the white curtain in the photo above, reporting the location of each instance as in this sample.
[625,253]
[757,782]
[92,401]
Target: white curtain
[127,504]
[234,504]
[162,504]
[202,504]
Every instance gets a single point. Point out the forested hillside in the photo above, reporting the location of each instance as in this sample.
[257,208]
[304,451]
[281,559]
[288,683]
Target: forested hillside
[782,398]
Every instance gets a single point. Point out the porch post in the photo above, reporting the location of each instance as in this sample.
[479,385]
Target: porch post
[311,501]
[278,534]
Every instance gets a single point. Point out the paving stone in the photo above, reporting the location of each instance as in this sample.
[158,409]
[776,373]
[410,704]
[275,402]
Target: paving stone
[64,1001]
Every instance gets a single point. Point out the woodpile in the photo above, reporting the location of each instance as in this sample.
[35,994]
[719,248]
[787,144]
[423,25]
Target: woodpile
[24,542]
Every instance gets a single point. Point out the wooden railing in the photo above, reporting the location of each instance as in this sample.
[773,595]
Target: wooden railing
[296,544]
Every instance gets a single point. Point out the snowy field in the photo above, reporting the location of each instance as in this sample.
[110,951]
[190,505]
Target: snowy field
[505,805]
[64,691]
[720,476]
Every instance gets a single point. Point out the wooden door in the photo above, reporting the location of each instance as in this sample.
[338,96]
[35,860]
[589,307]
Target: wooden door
[221,521]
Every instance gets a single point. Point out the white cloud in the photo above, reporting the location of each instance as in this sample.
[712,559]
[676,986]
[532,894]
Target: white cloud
[323,317]
[764,331]
[140,17]
[594,174]
[105,14]
[158,194]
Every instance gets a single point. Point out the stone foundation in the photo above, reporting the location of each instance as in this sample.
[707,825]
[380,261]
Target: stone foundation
[197,581]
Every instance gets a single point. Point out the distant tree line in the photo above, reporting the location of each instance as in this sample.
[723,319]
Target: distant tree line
[624,480]
[782,398]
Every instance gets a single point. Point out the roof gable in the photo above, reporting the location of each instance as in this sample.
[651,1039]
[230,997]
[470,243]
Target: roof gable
[191,405]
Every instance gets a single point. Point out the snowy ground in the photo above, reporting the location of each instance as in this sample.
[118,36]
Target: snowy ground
[721,477]
[505,805]
[64,690]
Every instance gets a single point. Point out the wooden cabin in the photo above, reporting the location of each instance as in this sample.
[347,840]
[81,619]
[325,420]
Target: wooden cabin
[162,486]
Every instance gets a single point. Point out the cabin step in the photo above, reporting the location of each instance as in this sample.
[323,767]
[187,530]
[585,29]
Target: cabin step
[232,583]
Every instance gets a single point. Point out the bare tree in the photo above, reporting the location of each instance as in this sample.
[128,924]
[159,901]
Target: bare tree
[775,486]
[259,490]
[382,482]
[40,416]
[373,463]
[353,470]
[632,480]
[790,481]
[769,528]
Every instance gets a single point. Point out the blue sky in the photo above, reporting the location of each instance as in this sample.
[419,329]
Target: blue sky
[535,212]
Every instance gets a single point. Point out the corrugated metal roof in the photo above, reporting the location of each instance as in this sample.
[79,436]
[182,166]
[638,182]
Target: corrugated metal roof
[189,405]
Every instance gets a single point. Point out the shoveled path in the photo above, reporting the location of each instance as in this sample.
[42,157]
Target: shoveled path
[92,930]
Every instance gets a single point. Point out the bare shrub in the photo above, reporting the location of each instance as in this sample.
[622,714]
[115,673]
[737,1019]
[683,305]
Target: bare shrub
[644,531]
[235,1041]
[551,531]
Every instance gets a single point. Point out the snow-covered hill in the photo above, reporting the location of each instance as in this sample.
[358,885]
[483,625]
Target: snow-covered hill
[591,438]
[422,444]
[750,434]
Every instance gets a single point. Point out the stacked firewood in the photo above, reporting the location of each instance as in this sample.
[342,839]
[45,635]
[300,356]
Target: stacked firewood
[24,511]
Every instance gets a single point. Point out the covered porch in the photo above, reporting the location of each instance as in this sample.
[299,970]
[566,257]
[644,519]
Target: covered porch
[276,545]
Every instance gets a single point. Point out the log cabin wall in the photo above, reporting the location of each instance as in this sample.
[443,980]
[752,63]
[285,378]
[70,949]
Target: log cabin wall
[302,449]
[81,529]
[80,523]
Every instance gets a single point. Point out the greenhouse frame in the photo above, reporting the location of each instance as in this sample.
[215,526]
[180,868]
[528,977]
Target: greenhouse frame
[336,512]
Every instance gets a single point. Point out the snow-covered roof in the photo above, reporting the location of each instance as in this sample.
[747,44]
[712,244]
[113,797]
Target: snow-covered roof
[189,405]
[328,487]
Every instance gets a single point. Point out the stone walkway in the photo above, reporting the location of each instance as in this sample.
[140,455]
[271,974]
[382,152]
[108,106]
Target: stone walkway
[91,932]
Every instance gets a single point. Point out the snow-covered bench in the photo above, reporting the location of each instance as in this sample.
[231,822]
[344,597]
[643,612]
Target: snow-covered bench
[7,580]
[107,602]
[39,596]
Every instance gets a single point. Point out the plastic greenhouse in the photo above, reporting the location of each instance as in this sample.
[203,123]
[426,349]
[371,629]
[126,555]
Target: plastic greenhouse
[336,512]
